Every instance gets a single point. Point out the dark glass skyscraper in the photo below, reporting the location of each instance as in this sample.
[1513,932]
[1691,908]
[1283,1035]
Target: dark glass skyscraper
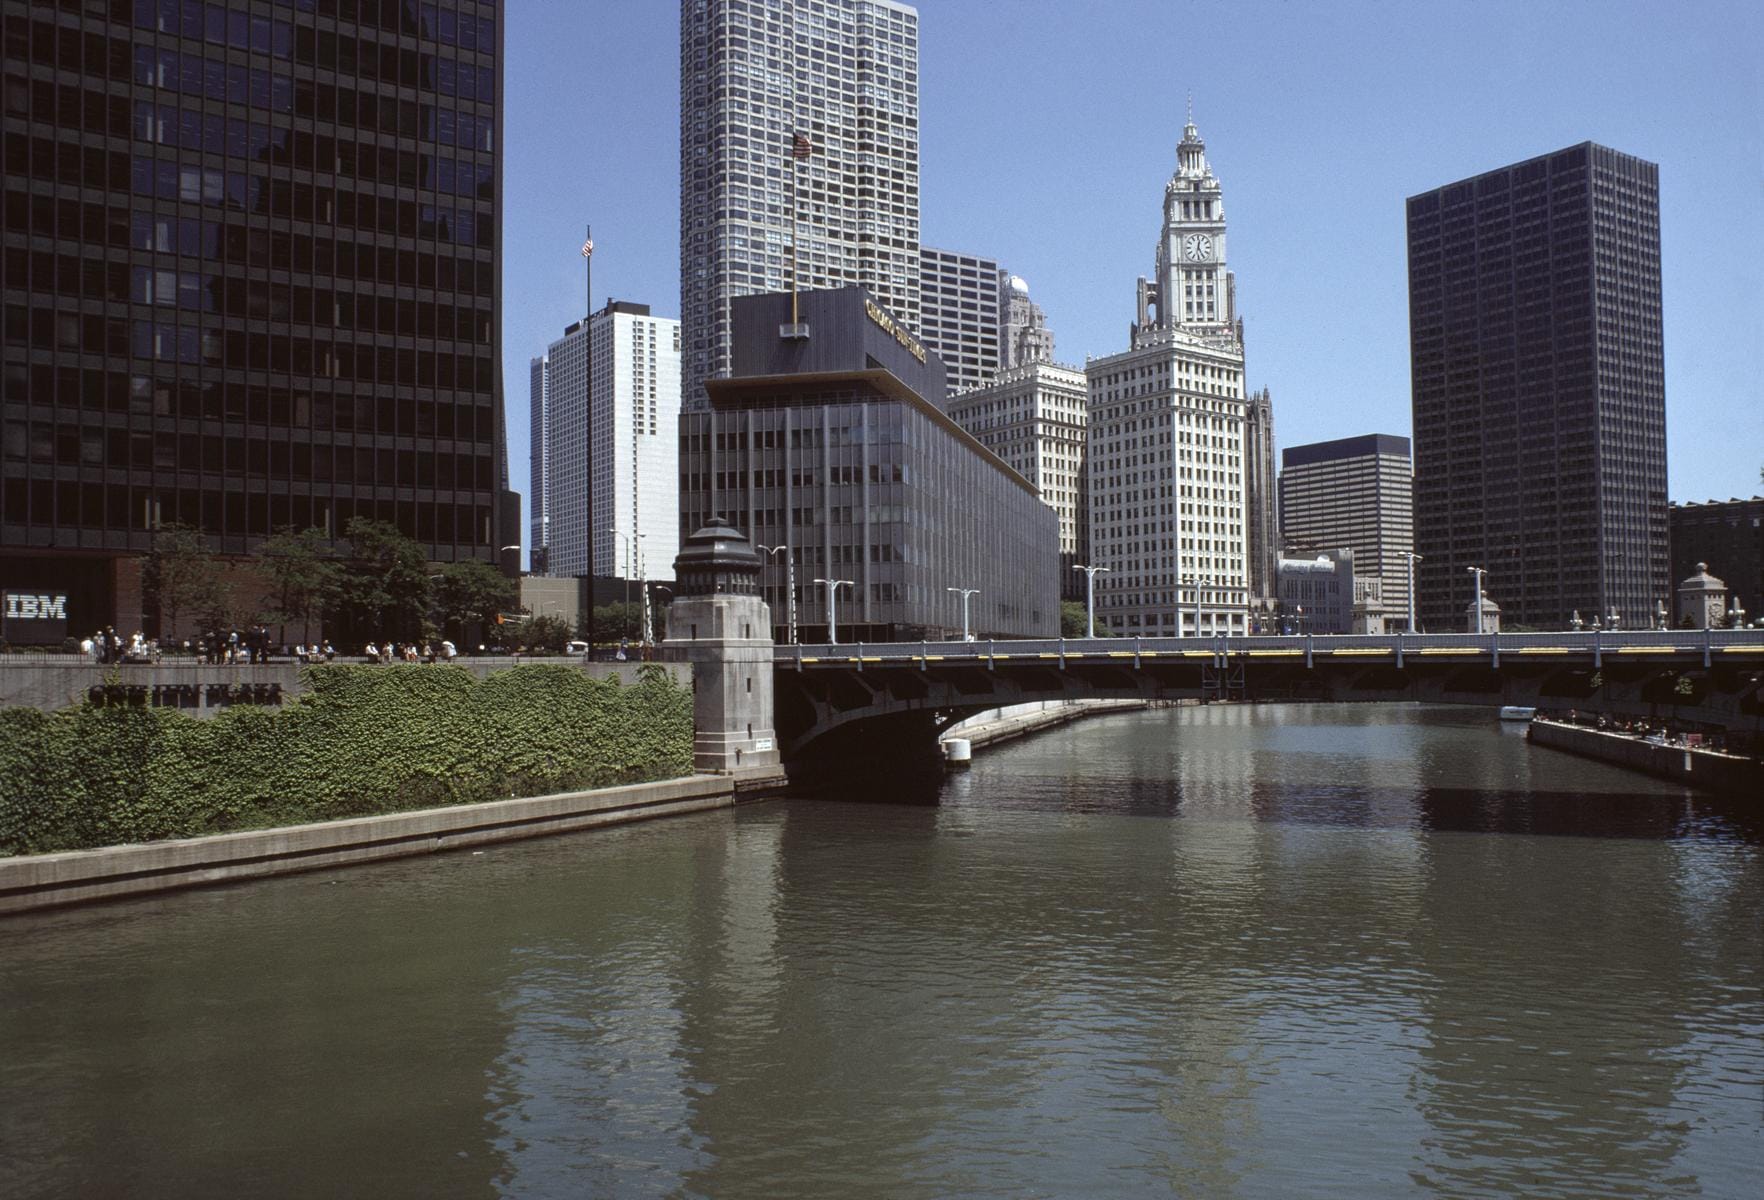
[1539,390]
[250,280]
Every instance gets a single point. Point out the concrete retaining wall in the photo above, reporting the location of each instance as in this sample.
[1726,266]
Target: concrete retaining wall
[1002,725]
[61,682]
[1699,768]
[79,876]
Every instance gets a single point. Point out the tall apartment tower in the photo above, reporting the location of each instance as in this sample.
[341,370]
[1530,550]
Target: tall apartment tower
[250,282]
[611,426]
[1033,417]
[960,317]
[1166,432]
[1356,494]
[799,153]
[1539,390]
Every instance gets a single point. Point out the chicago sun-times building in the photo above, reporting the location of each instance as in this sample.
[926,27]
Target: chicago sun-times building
[827,440]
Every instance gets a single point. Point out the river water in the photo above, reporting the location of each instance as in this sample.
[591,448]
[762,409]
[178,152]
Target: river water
[1222,952]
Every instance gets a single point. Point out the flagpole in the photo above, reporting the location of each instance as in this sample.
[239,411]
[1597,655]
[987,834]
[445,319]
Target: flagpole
[588,410]
[794,225]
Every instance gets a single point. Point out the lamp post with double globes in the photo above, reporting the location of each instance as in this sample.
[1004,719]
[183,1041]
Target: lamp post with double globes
[790,583]
[1090,574]
[1413,559]
[833,586]
[964,593]
[1479,573]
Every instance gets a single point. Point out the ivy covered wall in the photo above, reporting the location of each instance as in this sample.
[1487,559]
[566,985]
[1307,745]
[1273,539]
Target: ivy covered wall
[361,740]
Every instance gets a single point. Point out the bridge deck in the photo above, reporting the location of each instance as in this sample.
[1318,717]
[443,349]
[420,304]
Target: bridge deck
[1701,646]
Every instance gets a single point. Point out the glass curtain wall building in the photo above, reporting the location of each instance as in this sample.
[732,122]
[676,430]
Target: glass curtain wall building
[250,280]
[828,447]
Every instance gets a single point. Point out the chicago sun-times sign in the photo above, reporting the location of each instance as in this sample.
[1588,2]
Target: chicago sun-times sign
[33,618]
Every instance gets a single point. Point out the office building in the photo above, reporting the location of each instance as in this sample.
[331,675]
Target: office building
[799,157]
[1539,389]
[1316,593]
[1026,337]
[1260,501]
[825,449]
[251,283]
[1033,418]
[612,390]
[1728,535]
[1166,433]
[1355,492]
[960,320]
[539,466]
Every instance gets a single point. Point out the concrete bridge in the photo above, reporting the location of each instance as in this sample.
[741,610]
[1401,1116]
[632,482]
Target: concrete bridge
[839,703]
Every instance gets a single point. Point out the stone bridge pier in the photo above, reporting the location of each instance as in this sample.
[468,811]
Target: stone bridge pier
[725,630]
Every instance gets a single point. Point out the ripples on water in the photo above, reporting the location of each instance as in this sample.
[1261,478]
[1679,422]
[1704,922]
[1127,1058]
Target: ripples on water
[1227,952]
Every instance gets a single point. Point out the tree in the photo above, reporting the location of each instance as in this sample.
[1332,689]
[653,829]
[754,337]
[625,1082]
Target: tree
[473,590]
[304,574]
[1072,619]
[180,575]
[616,621]
[383,587]
[543,635]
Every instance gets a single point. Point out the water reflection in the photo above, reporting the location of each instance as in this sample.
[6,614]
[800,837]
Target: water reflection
[1221,952]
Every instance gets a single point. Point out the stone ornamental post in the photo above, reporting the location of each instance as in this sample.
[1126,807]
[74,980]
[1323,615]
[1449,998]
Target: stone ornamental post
[718,618]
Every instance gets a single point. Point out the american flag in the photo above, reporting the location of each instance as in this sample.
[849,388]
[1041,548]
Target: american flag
[588,248]
[800,146]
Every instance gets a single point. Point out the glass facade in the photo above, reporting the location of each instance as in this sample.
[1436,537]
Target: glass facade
[825,445]
[250,275]
[867,486]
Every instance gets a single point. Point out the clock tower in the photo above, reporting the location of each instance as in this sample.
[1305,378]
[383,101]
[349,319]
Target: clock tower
[1192,289]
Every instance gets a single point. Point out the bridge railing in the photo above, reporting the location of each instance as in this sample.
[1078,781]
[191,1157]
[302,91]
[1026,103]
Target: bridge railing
[1584,643]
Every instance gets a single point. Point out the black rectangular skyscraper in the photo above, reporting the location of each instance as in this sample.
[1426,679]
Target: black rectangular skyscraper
[250,279]
[1539,391]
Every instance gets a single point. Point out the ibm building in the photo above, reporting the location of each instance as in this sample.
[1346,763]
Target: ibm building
[827,446]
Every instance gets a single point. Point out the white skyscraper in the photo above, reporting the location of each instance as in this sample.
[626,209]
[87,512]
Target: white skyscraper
[1032,416]
[539,476]
[754,75]
[1166,432]
[612,451]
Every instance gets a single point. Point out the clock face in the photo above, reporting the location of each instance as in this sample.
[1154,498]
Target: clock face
[1197,247]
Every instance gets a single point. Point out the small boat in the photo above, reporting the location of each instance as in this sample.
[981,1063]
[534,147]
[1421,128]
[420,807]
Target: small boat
[1517,712]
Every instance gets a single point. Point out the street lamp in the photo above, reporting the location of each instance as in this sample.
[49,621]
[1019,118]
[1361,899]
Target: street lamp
[790,573]
[1198,582]
[1413,559]
[1479,573]
[1299,610]
[964,593]
[833,586]
[1089,596]
[627,538]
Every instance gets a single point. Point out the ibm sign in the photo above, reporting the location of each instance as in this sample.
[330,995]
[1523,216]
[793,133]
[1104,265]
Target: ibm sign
[33,618]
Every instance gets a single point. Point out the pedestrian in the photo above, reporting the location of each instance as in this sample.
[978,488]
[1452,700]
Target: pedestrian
[372,653]
[330,651]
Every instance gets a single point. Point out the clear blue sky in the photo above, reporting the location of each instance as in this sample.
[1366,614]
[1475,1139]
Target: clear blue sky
[1048,130]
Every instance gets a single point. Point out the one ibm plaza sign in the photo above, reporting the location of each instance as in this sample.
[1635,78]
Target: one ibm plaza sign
[33,618]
